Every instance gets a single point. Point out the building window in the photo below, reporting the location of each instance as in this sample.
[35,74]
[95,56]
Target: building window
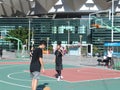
[54,30]
[82,29]
[64,29]
[61,29]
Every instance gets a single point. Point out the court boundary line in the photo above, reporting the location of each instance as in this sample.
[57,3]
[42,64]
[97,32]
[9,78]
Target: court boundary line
[9,76]
[95,80]
[11,66]
[54,78]
[15,63]
[14,84]
[10,83]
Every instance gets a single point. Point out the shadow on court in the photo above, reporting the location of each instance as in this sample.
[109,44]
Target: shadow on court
[56,75]
[42,86]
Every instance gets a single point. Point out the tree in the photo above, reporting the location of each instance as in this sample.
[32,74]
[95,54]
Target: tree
[20,33]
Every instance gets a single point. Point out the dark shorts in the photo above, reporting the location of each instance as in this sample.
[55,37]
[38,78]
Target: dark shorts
[59,67]
[35,75]
[109,58]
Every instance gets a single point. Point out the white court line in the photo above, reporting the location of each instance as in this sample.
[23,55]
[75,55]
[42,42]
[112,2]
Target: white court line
[14,84]
[55,78]
[11,66]
[94,80]
[9,83]
[10,77]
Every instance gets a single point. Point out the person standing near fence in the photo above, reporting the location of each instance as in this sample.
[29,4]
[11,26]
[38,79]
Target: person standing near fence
[109,57]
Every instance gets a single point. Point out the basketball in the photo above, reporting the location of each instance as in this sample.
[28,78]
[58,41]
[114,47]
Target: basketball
[47,88]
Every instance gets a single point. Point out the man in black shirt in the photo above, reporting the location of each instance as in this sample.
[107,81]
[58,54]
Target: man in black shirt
[37,64]
[58,62]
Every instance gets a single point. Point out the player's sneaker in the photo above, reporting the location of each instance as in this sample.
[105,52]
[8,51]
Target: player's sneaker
[58,79]
[61,77]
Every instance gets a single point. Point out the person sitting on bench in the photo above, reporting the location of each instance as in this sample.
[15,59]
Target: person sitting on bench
[101,61]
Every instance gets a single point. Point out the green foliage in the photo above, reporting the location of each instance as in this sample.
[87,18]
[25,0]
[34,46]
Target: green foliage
[50,48]
[20,33]
[95,49]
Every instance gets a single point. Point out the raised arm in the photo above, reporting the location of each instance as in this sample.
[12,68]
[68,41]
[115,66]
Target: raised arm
[61,51]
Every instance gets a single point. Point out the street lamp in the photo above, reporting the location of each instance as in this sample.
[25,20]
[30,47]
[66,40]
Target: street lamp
[80,39]
[80,43]
[68,32]
[32,40]
[29,34]
[47,43]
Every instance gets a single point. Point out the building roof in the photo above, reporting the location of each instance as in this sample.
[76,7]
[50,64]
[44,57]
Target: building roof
[22,8]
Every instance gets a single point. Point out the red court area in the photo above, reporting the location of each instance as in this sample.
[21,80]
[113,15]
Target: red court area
[84,74]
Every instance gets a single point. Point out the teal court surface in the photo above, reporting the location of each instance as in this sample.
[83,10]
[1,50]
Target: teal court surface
[14,75]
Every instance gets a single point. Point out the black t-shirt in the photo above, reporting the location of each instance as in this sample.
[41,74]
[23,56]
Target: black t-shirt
[58,58]
[1,51]
[35,63]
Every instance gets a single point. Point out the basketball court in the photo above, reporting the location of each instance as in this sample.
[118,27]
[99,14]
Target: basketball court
[14,75]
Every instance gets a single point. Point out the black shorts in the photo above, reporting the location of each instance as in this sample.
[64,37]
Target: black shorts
[109,58]
[59,67]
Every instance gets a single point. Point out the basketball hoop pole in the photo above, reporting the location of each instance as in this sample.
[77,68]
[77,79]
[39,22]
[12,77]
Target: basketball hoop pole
[112,21]
[47,43]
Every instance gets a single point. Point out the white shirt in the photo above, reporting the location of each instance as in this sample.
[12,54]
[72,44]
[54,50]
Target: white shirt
[110,53]
[104,57]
